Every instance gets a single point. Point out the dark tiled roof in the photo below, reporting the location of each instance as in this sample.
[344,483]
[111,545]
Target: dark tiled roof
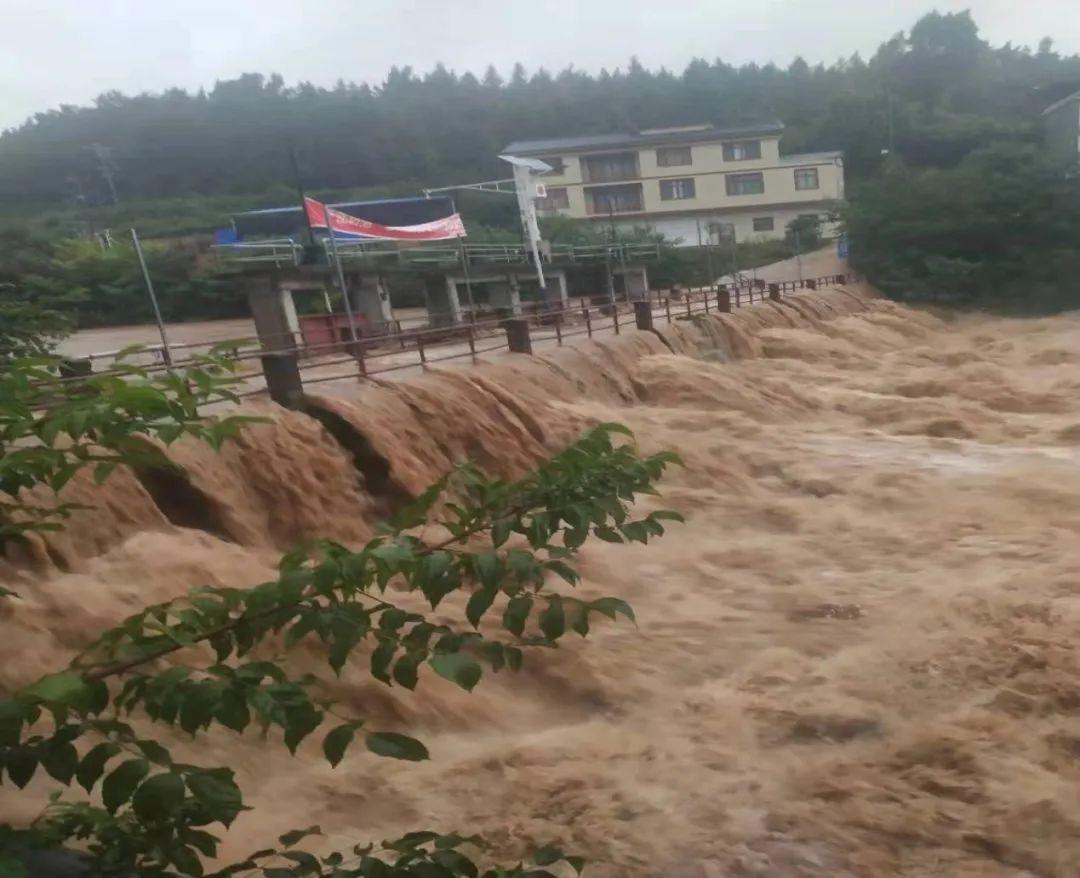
[637,138]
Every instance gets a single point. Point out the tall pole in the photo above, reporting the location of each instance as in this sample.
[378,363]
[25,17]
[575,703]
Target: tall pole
[340,272]
[165,352]
[104,163]
[468,280]
[298,180]
[798,255]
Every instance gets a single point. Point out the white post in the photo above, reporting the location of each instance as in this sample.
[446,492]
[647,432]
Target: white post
[527,207]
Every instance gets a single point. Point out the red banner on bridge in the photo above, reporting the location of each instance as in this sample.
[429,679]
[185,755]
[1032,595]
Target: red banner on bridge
[346,226]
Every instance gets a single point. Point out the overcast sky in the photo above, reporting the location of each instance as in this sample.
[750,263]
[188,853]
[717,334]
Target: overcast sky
[69,51]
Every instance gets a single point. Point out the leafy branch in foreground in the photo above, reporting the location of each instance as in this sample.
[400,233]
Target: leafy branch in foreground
[52,426]
[501,545]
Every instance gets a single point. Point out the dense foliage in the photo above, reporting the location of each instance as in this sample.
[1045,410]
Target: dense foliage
[946,90]
[998,230]
[913,121]
[218,657]
[55,284]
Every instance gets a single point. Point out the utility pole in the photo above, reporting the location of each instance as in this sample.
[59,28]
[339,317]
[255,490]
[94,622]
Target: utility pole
[166,354]
[105,166]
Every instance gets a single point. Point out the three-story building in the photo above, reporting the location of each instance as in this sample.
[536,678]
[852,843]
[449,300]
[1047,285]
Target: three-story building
[696,184]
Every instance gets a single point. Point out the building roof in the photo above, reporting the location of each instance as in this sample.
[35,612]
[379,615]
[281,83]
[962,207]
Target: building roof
[1057,105]
[586,142]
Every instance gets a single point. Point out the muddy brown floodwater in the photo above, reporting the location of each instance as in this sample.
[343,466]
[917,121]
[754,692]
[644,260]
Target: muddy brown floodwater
[857,658]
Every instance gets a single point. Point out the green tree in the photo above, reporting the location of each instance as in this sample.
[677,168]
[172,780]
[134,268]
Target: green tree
[201,661]
[999,230]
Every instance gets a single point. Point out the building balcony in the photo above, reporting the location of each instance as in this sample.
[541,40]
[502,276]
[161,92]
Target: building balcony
[614,199]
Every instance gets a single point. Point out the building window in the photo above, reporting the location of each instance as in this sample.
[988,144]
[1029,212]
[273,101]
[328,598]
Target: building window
[763,224]
[745,184]
[610,168]
[742,151]
[556,199]
[673,157]
[558,166]
[676,190]
[806,178]
[721,232]
[613,199]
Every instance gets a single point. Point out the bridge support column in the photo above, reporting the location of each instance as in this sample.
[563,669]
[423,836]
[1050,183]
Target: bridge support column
[507,296]
[274,312]
[444,307]
[635,282]
[370,300]
[558,292]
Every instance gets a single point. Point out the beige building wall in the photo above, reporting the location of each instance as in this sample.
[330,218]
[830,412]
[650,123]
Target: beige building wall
[711,202]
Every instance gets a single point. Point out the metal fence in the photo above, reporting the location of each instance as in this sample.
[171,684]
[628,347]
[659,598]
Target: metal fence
[283,371]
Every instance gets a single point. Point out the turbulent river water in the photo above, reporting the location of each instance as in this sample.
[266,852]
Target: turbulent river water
[857,658]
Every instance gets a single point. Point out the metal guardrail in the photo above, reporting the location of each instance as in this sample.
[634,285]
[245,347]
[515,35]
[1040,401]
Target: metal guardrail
[291,252]
[422,347]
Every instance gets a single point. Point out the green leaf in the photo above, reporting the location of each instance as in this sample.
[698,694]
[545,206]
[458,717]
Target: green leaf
[102,471]
[122,781]
[60,761]
[300,722]
[547,855]
[21,762]
[396,746]
[479,603]
[458,667]
[580,618]
[486,566]
[216,790]
[153,751]
[337,741]
[306,863]
[517,613]
[610,607]
[406,669]
[185,860]
[158,797]
[564,570]
[66,688]
[553,620]
[500,531]
[381,657]
[294,835]
[232,711]
[12,716]
[607,534]
[667,515]
[93,764]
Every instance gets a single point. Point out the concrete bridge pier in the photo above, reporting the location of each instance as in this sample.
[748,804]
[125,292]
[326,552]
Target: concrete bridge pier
[270,299]
[558,292]
[441,297]
[635,282]
[506,295]
[370,301]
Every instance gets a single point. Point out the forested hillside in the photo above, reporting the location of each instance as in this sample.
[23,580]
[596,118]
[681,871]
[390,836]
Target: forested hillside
[946,91]
[951,197]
